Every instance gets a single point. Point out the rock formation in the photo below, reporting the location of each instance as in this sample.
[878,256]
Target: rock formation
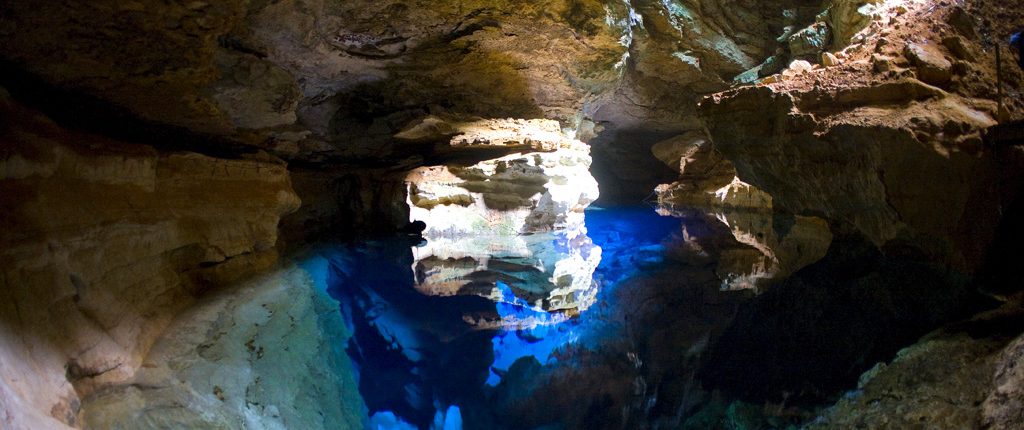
[157,159]
[239,359]
[543,187]
[105,242]
[900,159]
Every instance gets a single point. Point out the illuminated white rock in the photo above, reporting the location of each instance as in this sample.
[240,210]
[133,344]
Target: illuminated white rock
[508,228]
[545,187]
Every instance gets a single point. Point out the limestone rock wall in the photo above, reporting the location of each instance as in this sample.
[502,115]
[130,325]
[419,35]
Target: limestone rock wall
[343,203]
[951,378]
[543,187]
[900,159]
[706,178]
[104,242]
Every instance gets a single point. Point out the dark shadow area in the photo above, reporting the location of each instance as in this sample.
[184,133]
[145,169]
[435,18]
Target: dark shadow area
[664,345]
[78,111]
[809,338]
[625,168]
[1000,274]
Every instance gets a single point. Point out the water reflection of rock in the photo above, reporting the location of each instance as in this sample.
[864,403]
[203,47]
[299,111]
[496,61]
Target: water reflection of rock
[549,272]
[776,245]
[633,362]
[406,345]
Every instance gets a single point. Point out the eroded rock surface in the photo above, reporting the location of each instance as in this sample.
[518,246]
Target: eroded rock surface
[900,159]
[105,242]
[861,113]
[267,354]
[546,272]
[543,187]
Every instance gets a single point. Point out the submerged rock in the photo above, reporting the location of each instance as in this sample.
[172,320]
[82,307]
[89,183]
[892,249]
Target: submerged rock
[265,355]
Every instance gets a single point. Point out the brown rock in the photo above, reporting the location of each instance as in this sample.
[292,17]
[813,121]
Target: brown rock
[881,63]
[932,65]
[829,60]
[958,47]
[105,242]
[789,143]
[963,22]
[685,152]
[1004,407]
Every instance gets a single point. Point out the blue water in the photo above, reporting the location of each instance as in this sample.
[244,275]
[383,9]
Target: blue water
[639,323]
[481,354]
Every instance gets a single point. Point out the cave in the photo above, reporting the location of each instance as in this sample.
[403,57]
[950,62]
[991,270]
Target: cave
[482,214]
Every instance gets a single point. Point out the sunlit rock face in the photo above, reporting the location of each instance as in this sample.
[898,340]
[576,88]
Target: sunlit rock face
[678,51]
[510,228]
[543,188]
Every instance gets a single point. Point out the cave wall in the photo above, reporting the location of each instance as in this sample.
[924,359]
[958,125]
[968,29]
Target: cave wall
[105,241]
[888,139]
[343,204]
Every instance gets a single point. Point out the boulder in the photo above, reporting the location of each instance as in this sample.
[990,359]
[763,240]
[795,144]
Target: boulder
[829,60]
[957,45]
[932,66]
[680,152]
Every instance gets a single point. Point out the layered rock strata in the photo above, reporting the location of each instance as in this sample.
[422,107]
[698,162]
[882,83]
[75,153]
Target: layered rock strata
[544,186]
[509,228]
[104,242]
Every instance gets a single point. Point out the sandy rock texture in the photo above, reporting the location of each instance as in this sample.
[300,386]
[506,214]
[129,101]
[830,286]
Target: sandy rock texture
[706,178]
[332,82]
[104,243]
